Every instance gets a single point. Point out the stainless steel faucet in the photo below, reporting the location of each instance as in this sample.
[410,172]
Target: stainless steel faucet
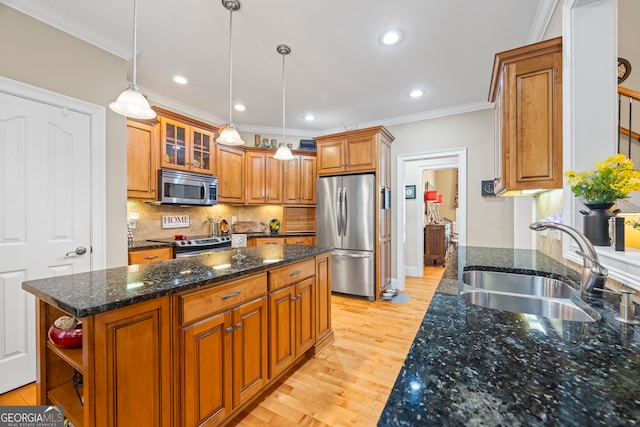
[594,275]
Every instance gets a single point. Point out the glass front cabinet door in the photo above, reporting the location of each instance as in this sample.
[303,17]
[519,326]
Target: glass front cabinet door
[186,147]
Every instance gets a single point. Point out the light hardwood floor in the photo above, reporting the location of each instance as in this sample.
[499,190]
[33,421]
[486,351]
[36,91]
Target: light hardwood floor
[346,385]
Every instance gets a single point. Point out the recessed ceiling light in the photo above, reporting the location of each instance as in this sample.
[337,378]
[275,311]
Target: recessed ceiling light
[416,93]
[309,117]
[180,80]
[239,107]
[391,37]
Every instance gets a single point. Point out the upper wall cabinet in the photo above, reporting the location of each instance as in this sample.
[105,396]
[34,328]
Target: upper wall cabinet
[185,145]
[526,87]
[350,152]
[300,180]
[230,170]
[142,160]
[264,177]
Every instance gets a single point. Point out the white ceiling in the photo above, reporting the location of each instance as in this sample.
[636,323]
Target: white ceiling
[337,70]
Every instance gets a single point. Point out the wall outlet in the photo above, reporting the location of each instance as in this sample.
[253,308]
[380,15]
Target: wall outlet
[557,235]
[133,215]
[233,220]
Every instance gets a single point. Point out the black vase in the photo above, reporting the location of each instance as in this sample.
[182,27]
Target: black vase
[596,223]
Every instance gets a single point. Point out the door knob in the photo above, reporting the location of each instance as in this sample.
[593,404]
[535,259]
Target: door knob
[80,250]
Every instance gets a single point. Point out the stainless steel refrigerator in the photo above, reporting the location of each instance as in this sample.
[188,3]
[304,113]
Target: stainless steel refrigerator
[345,220]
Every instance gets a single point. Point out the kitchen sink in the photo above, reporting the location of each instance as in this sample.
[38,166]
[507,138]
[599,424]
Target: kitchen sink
[525,284]
[525,293]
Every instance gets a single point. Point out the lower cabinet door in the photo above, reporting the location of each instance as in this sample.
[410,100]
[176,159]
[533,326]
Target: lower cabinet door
[305,315]
[206,396]
[282,339]
[133,365]
[249,349]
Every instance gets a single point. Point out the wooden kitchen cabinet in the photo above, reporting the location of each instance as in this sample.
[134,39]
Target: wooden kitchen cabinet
[350,152]
[142,160]
[119,336]
[526,87]
[264,178]
[230,170]
[300,180]
[292,313]
[223,356]
[262,241]
[110,356]
[300,240]
[324,333]
[143,256]
[186,147]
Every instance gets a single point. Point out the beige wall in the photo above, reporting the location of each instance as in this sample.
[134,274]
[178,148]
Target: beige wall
[489,220]
[39,55]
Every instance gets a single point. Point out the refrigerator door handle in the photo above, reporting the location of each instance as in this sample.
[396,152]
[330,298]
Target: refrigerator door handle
[344,211]
[352,255]
[339,210]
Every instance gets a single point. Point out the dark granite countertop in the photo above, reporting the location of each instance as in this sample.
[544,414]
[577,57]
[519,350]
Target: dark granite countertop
[474,366]
[269,234]
[86,294]
[145,244]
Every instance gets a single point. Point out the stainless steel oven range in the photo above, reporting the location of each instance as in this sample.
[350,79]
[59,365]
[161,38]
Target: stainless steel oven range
[197,245]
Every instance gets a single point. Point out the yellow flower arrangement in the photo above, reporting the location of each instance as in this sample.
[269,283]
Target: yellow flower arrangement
[612,180]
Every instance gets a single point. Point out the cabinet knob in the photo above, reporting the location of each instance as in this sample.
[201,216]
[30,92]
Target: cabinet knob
[293,299]
[238,325]
[229,330]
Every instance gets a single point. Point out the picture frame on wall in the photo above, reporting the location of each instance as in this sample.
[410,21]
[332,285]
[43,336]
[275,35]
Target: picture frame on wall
[410,192]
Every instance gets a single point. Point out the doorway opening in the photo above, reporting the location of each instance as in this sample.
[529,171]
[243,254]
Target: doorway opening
[410,213]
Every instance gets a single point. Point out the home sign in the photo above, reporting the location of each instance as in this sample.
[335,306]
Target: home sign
[175,221]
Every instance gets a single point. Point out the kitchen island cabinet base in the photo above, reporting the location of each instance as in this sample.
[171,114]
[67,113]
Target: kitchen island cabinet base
[141,363]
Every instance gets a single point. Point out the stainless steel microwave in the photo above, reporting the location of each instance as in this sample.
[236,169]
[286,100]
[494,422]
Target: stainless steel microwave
[185,188]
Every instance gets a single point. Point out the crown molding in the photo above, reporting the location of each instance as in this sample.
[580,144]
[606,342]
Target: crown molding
[63,23]
[542,20]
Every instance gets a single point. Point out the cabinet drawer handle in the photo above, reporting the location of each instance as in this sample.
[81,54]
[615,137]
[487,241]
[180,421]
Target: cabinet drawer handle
[151,257]
[295,273]
[235,294]
[238,325]
[229,329]
[272,243]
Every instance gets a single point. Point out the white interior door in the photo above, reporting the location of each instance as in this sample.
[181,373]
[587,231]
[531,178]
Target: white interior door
[45,216]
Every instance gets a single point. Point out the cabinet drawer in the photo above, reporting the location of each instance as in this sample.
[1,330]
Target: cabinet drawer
[301,240]
[200,304]
[290,274]
[143,256]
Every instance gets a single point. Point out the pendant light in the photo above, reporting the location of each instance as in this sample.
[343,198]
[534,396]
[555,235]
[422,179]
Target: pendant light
[228,134]
[283,152]
[132,103]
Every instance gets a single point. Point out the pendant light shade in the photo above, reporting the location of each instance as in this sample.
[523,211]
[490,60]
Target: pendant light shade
[283,152]
[132,103]
[228,133]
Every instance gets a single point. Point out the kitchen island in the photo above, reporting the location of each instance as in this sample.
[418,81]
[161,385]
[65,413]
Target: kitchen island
[185,341]
[470,365]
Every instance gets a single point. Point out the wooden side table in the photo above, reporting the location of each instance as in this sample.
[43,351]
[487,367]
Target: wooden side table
[436,243]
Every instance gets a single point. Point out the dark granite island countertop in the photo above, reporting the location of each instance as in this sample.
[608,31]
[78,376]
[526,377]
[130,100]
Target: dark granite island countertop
[473,366]
[86,294]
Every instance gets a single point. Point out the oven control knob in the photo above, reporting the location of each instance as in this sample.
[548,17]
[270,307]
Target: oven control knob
[182,243]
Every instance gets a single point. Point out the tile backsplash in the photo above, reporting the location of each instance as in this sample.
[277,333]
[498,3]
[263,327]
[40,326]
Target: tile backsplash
[149,222]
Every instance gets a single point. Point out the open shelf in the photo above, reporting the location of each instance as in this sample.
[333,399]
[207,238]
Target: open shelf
[65,395]
[73,356]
